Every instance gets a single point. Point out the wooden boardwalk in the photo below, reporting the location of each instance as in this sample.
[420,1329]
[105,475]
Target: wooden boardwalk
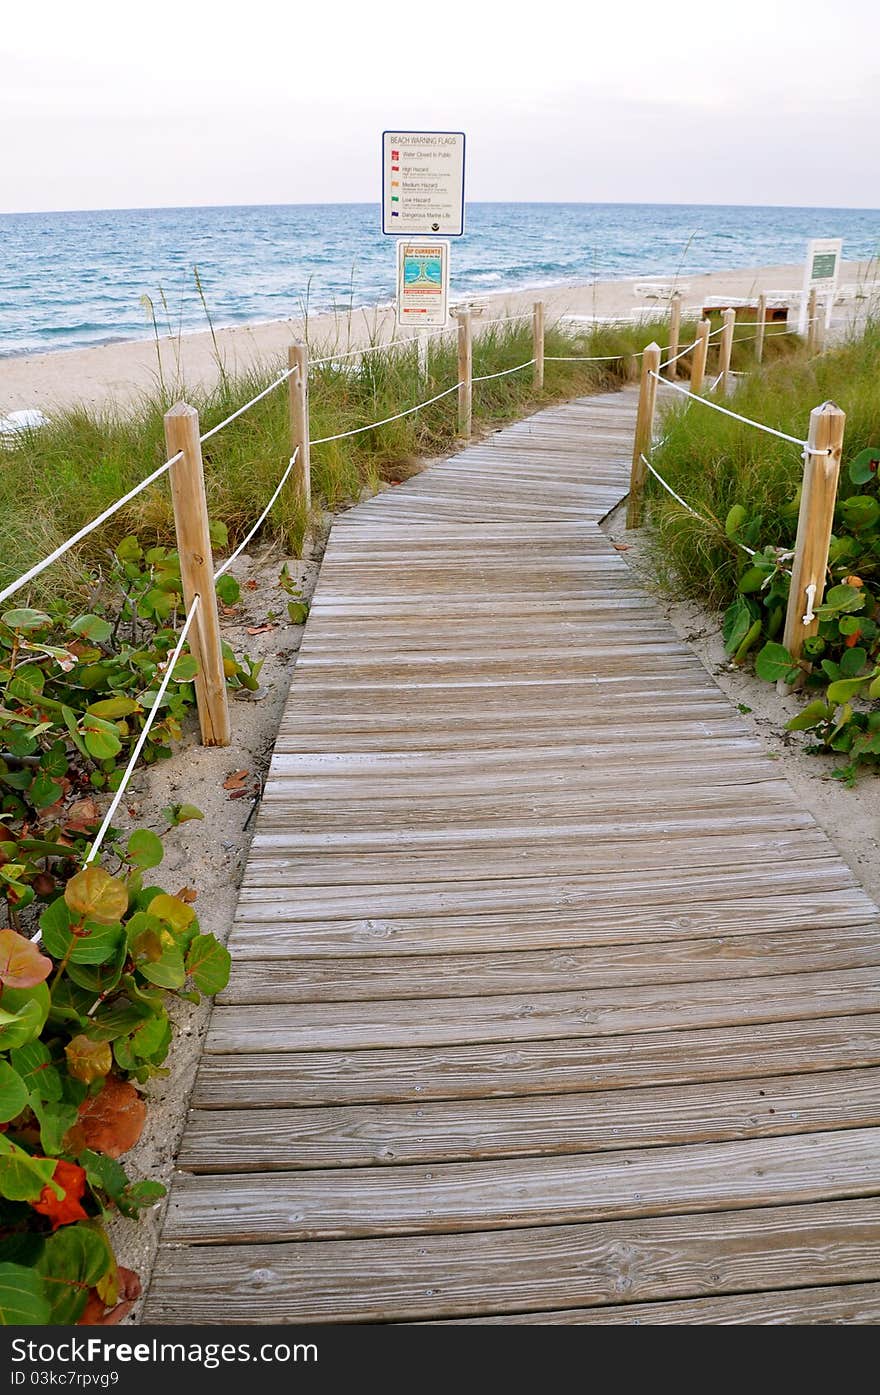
[549,1003]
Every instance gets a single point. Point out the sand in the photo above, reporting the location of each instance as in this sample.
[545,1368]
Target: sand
[122,373]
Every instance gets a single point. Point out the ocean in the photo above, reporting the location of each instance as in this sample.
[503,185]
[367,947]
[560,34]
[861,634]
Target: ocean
[69,280]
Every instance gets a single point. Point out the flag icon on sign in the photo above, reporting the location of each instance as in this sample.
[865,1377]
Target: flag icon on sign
[395,154]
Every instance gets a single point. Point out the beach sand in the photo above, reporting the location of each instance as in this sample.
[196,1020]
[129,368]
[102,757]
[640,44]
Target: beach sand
[120,374]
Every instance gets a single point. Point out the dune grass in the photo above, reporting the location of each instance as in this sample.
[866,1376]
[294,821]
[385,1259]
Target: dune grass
[714,462]
[56,478]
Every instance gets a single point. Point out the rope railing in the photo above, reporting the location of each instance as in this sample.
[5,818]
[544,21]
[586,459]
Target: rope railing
[716,407]
[39,567]
[373,425]
[233,556]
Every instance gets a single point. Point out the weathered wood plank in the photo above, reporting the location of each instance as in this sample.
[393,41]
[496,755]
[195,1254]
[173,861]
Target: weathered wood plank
[525,1269]
[270,1140]
[799,1307]
[503,1192]
[524,1068]
[256,979]
[528,1017]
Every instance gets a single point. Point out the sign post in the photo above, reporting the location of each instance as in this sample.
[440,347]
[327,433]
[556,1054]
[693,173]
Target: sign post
[820,275]
[423,183]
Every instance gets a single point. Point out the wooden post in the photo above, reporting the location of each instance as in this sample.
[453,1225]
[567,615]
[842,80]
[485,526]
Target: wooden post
[298,389]
[465,374]
[644,434]
[422,355]
[726,346]
[197,571]
[538,343]
[760,327]
[674,334]
[818,496]
[699,356]
[811,321]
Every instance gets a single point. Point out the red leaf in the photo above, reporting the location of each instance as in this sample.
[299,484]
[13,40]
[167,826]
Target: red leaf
[236,780]
[188,894]
[259,629]
[21,963]
[97,1314]
[63,1210]
[251,585]
[112,1120]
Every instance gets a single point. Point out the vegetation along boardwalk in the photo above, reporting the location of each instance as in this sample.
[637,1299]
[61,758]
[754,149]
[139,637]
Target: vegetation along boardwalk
[549,1003]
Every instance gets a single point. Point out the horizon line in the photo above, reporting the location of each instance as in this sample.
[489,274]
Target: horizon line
[376,203]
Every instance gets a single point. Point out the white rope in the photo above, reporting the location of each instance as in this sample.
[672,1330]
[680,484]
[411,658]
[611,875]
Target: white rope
[685,505]
[503,319]
[485,377]
[139,746]
[341,435]
[145,731]
[260,521]
[681,353]
[592,358]
[39,567]
[770,430]
[247,406]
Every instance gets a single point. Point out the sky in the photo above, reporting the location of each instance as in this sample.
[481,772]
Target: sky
[105,105]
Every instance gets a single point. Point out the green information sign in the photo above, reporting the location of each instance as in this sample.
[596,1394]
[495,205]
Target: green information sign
[824,264]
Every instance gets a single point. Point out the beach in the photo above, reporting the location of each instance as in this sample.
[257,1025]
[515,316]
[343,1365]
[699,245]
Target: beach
[118,375]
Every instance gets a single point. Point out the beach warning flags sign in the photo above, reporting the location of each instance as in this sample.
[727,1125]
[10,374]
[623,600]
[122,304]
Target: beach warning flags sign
[423,183]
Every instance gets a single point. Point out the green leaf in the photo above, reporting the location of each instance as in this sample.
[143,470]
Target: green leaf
[749,642]
[186,669]
[113,708]
[228,589]
[119,1019]
[845,689]
[208,964]
[181,813]
[145,849]
[737,622]
[852,661]
[841,599]
[13,1093]
[22,1177]
[168,970]
[25,619]
[864,467]
[54,1119]
[23,1301]
[735,520]
[44,792]
[72,725]
[33,1062]
[298,612]
[104,1173]
[74,1260]
[860,511]
[753,579]
[21,1026]
[811,715]
[129,550]
[95,941]
[874,690]
[101,743]
[218,532]
[92,627]
[138,1196]
[774,662]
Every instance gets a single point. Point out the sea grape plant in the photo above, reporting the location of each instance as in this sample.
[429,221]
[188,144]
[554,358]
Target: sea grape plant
[840,668]
[84,1020]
